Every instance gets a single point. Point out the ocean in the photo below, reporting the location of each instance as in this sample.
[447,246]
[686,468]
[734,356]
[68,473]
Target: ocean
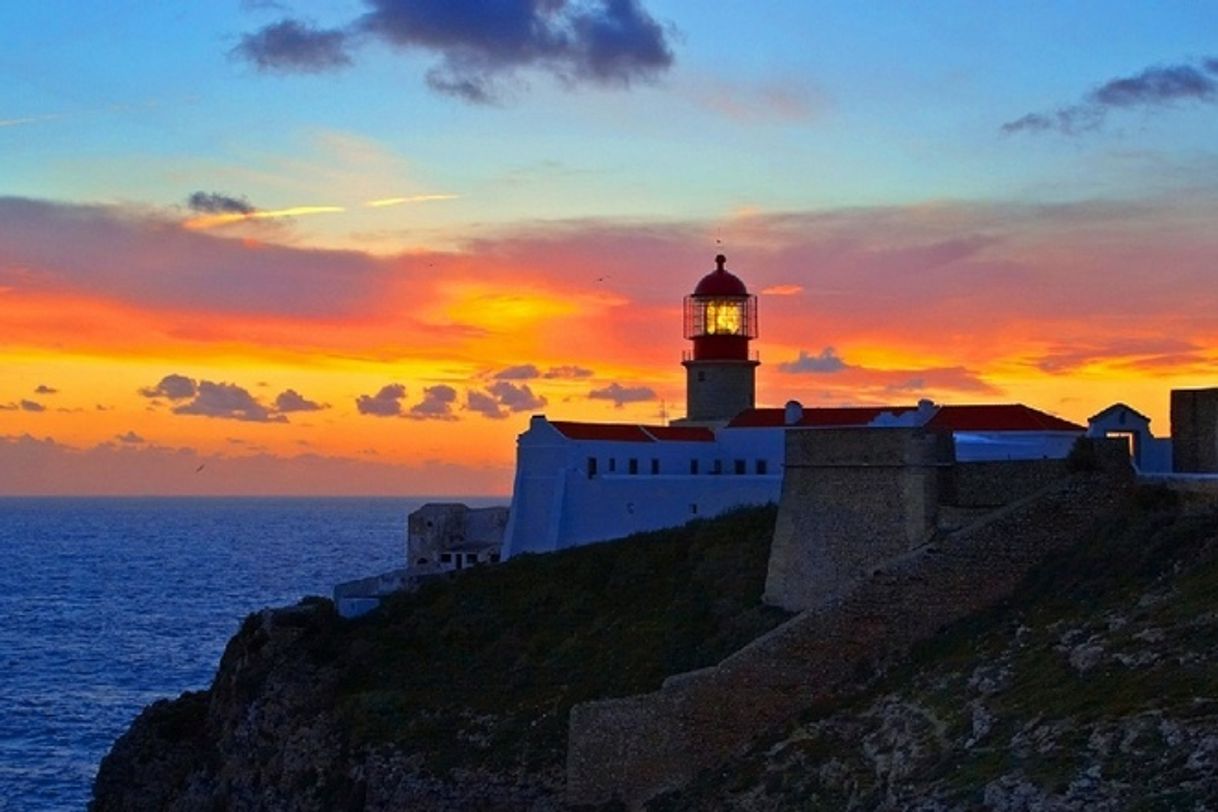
[108,604]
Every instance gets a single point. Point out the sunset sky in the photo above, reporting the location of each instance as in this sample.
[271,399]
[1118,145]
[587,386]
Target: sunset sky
[349,247]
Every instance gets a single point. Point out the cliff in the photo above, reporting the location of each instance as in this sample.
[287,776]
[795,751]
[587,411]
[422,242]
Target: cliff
[454,697]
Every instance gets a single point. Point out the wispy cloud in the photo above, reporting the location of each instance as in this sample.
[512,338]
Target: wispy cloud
[17,122]
[219,203]
[224,218]
[621,395]
[782,290]
[1153,87]
[399,201]
[295,45]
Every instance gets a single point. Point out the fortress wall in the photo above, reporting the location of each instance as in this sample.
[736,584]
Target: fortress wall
[851,497]
[634,748]
[992,484]
[1194,431]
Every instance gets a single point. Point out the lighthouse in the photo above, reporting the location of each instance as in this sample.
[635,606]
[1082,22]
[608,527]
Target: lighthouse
[720,375]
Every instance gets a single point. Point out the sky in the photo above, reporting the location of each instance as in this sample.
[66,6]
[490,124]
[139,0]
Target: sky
[308,247]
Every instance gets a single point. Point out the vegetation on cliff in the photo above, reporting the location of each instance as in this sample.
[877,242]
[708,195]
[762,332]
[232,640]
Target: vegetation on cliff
[1096,687]
[458,689]
[483,669]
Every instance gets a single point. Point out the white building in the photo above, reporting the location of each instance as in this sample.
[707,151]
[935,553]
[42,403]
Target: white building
[578,483]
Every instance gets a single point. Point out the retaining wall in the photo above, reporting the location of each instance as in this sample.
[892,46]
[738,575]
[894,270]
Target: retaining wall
[634,748]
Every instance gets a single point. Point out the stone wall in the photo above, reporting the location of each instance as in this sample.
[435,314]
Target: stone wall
[851,497]
[993,484]
[1194,431]
[634,748]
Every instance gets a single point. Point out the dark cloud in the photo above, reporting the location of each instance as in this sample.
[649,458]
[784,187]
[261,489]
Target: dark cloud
[1153,87]
[32,406]
[568,372]
[292,401]
[502,398]
[437,404]
[217,203]
[484,404]
[385,403]
[295,46]
[480,44]
[827,361]
[174,387]
[522,372]
[621,395]
[130,437]
[43,389]
[228,401]
[516,398]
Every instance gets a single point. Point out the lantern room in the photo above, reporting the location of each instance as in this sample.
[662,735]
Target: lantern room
[720,316]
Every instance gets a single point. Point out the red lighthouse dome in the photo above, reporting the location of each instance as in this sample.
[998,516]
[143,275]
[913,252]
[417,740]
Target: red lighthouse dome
[720,316]
[721,282]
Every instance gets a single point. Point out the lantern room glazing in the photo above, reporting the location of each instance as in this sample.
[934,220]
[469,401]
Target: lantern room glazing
[720,316]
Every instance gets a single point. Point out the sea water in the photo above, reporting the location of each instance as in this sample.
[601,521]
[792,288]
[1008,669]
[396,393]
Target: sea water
[109,604]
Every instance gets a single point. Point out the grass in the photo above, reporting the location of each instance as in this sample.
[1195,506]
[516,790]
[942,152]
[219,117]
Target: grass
[482,670]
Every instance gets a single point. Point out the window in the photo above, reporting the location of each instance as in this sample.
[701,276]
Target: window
[630,507]
[421,561]
[718,469]
[612,464]
[634,465]
[701,376]
[762,468]
[446,558]
[494,558]
[655,466]
[741,468]
[471,558]
[591,467]
[693,466]
[693,507]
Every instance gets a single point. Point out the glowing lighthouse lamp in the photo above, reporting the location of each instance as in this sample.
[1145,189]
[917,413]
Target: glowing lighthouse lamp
[720,320]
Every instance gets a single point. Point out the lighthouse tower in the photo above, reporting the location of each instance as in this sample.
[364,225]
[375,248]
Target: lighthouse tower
[720,320]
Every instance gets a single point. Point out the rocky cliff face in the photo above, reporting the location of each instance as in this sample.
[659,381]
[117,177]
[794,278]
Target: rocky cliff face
[1096,688]
[268,735]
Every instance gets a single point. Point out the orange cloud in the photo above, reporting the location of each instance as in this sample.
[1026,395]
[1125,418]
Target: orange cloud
[204,221]
[398,201]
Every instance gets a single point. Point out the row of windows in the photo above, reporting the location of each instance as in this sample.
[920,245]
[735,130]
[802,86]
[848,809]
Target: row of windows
[739,467]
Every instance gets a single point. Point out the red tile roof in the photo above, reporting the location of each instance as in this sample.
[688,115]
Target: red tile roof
[620,432]
[998,417]
[694,434]
[815,416]
[629,433]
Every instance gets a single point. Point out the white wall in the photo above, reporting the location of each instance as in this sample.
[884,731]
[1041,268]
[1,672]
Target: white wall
[556,504]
